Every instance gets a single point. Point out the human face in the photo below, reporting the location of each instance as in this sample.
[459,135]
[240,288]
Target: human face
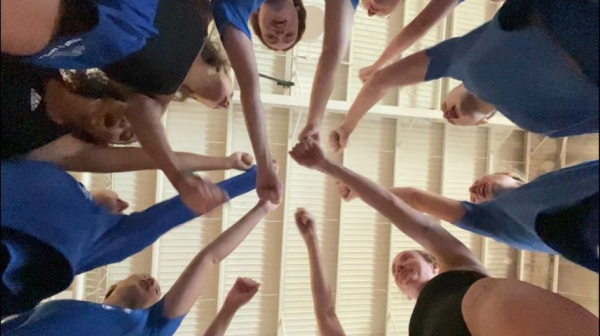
[139,291]
[379,7]
[110,201]
[490,186]
[110,124]
[411,273]
[278,21]
[462,108]
[215,92]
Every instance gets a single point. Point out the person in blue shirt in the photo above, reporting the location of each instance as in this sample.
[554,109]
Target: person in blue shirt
[525,74]
[455,295]
[280,24]
[557,213]
[134,306]
[431,15]
[52,230]
[76,34]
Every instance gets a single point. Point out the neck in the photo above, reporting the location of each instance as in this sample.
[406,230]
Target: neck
[115,300]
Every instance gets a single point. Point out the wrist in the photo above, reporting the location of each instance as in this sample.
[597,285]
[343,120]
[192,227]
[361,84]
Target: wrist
[311,239]
[229,307]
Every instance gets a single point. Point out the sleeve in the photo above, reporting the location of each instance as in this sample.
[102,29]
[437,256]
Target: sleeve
[477,219]
[133,233]
[440,58]
[158,324]
[234,13]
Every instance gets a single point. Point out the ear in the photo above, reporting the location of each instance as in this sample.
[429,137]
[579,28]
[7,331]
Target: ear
[483,121]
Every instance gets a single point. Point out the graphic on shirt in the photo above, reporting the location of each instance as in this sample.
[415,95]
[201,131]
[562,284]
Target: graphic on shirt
[125,310]
[62,51]
[35,100]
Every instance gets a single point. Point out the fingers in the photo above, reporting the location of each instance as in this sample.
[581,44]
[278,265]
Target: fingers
[334,141]
[247,159]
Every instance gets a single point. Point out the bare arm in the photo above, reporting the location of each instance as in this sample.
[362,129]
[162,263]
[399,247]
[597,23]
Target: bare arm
[241,55]
[339,15]
[433,13]
[145,113]
[190,284]
[28,25]
[104,159]
[441,207]
[444,208]
[323,302]
[407,71]
[419,227]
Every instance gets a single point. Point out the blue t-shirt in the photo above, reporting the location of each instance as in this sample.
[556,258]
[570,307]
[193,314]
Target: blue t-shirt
[237,13]
[43,205]
[71,317]
[523,73]
[513,218]
[123,28]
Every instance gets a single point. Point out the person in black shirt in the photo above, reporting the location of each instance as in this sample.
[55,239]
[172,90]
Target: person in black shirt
[37,126]
[455,294]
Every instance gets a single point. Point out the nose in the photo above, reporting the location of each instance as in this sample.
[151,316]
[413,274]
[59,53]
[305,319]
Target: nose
[122,205]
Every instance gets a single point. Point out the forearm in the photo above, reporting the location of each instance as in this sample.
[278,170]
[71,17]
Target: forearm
[368,96]
[321,291]
[221,322]
[322,87]
[431,15]
[221,247]
[408,220]
[184,293]
[408,71]
[127,159]
[144,113]
[255,123]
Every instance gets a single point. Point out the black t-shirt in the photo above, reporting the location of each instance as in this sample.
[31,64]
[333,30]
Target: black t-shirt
[438,310]
[25,125]
[162,65]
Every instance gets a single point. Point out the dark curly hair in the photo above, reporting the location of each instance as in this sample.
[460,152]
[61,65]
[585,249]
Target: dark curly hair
[301,25]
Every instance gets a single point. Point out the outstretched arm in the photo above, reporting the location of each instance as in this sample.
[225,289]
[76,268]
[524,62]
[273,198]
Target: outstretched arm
[184,293]
[419,227]
[407,71]
[327,319]
[240,294]
[438,206]
[241,55]
[73,154]
[339,15]
[131,234]
[433,13]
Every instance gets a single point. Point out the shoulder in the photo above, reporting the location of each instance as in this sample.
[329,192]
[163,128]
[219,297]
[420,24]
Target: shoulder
[158,322]
[234,13]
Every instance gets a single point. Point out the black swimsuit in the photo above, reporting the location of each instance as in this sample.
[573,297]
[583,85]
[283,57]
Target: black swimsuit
[25,125]
[161,66]
[438,311]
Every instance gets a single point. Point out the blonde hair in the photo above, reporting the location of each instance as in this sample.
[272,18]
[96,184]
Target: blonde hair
[512,175]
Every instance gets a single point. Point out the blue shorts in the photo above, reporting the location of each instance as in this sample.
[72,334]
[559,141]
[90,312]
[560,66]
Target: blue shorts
[123,28]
